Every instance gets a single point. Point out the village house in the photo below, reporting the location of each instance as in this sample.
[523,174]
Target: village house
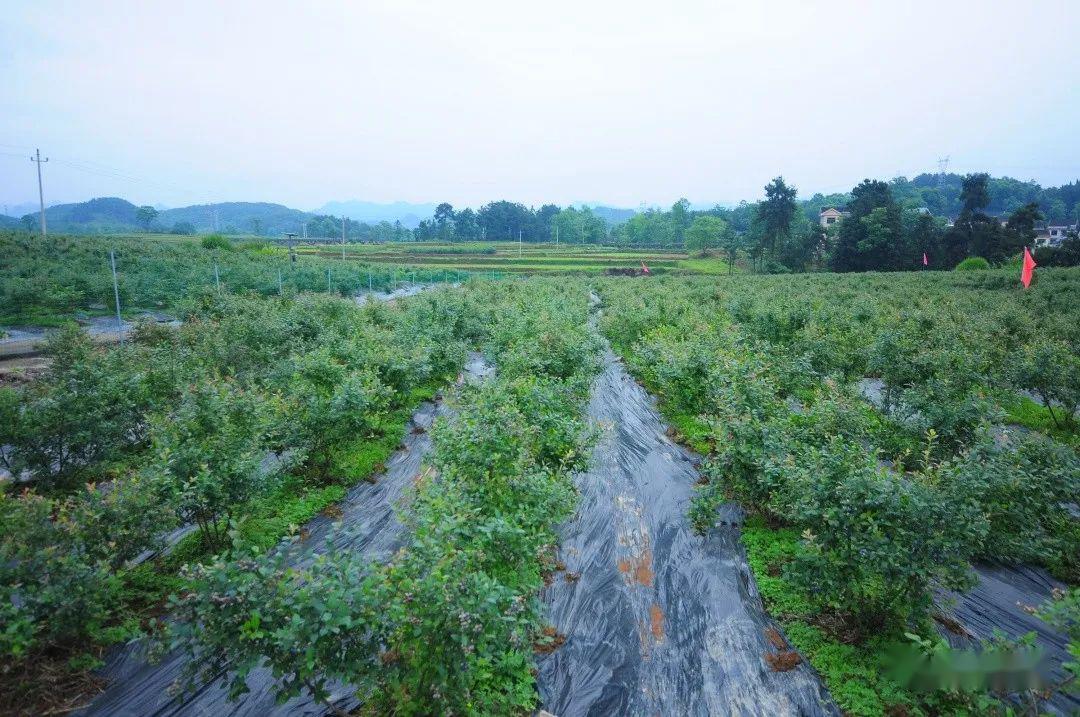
[1055,233]
[830,215]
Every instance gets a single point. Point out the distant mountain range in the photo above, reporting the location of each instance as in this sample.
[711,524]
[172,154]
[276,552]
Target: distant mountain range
[106,215]
[17,210]
[237,218]
[408,214]
[111,214]
[612,215]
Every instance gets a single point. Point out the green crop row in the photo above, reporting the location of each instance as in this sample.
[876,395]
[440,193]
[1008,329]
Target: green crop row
[254,415]
[449,625]
[45,281]
[864,507]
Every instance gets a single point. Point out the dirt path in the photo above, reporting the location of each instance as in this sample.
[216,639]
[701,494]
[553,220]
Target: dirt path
[658,620]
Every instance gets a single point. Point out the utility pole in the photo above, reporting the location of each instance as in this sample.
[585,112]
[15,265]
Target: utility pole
[556,235]
[342,237]
[519,242]
[116,295]
[41,192]
[304,223]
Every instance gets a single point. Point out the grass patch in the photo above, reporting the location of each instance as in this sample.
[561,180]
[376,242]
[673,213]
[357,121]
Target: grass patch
[1022,411]
[856,675]
[710,265]
[690,430]
[852,673]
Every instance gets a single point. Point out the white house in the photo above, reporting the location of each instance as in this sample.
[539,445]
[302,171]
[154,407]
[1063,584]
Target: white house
[831,215]
[1055,233]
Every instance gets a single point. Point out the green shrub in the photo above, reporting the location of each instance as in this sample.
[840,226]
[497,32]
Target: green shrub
[87,409]
[1023,490]
[216,241]
[452,619]
[973,263]
[207,453]
[1063,614]
[1050,369]
[58,559]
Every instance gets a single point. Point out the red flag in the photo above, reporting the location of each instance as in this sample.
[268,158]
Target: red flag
[1029,268]
[925,262]
[644,268]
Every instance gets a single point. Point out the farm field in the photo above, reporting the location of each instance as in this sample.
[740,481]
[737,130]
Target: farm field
[472,496]
[47,282]
[529,258]
[873,429]
[420,359]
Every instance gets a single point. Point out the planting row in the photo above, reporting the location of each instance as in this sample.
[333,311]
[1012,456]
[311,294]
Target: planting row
[253,413]
[865,508]
[449,625]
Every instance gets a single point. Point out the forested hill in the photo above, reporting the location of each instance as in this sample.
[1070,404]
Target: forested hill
[107,215]
[102,215]
[940,193]
[612,215]
[261,218]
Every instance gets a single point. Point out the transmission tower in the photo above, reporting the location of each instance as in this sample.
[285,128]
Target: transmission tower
[942,168]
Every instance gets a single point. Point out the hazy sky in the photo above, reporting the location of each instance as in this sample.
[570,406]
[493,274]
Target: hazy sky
[614,102]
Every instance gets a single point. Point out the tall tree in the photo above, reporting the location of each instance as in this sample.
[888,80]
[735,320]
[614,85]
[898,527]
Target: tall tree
[706,232]
[680,219]
[974,196]
[145,216]
[502,220]
[444,221]
[545,228]
[776,214]
[923,235]
[1022,221]
[465,224]
[869,238]
[975,233]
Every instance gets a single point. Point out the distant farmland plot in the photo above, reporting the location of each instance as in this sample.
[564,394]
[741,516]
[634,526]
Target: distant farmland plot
[526,259]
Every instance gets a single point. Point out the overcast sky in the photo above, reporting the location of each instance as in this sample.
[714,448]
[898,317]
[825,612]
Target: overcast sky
[612,102]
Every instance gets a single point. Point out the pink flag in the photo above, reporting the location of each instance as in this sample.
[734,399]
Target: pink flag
[1029,268]
[924,260]
[644,268]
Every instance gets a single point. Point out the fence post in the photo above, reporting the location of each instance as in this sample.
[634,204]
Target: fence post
[116,295]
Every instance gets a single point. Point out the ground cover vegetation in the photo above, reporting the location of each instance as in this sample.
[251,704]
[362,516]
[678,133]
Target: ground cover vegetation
[880,430]
[450,624]
[252,416]
[46,281]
